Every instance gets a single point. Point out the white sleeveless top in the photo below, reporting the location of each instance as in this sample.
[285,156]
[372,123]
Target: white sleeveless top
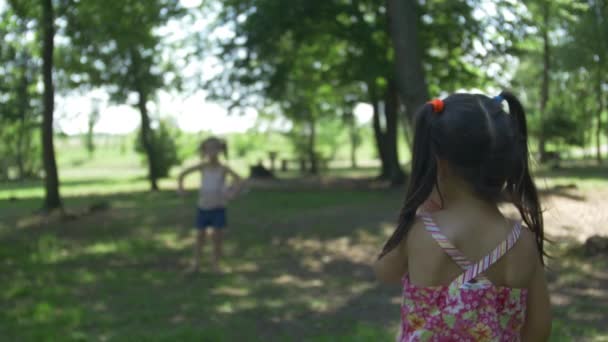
[212,193]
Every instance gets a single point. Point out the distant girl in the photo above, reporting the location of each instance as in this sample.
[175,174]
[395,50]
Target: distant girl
[469,273]
[213,198]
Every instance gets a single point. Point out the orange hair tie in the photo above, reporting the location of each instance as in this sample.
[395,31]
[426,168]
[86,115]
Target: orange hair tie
[438,105]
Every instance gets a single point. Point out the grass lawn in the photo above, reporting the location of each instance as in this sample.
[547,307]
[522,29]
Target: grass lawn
[296,267]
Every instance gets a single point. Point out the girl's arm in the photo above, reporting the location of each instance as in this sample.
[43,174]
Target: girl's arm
[183,174]
[538,315]
[391,267]
[236,179]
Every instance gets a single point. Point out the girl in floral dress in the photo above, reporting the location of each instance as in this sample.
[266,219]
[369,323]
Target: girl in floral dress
[468,272]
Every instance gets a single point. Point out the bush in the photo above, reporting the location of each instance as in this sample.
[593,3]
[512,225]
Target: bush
[164,147]
[20,151]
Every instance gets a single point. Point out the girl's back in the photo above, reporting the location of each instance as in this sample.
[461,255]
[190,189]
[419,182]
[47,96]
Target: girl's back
[474,234]
[468,282]
[468,273]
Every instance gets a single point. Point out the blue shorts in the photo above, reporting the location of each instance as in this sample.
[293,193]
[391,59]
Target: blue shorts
[211,218]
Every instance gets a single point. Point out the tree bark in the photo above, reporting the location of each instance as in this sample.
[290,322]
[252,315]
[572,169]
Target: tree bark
[544,92]
[411,80]
[353,137]
[52,199]
[379,135]
[146,138]
[600,109]
[391,109]
[312,146]
[22,112]
[354,141]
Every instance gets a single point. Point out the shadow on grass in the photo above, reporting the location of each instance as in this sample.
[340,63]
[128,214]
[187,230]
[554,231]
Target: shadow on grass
[297,268]
[37,184]
[577,173]
[579,287]
[566,191]
[119,273]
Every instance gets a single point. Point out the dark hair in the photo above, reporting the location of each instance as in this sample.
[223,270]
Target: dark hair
[221,142]
[485,145]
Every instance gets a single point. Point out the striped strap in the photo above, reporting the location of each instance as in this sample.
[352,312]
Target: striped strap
[490,259]
[445,244]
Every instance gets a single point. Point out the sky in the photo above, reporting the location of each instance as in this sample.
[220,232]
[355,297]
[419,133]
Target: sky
[191,112]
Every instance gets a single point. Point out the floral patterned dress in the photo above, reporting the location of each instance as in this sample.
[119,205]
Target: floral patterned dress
[471,308]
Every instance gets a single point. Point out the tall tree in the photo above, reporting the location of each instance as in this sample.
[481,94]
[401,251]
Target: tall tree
[360,29]
[345,46]
[585,51]
[124,56]
[93,117]
[544,92]
[19,112]
[411,79]
[52,199]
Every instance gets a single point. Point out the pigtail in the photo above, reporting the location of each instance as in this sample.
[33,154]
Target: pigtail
[224,145]
[520,185]
[422,180]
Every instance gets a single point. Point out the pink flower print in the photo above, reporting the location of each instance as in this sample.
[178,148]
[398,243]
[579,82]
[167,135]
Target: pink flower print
[415,322]
[481,332]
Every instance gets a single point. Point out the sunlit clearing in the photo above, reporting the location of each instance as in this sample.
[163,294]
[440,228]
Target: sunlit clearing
[172,241]
[86,276]
[29,221]
[43,312]
[225,308]
[287,279]
[312,264]
[361,249]
[231,291]
[102,248]
[246,267]
[235,305]
[319,305]
[49,250]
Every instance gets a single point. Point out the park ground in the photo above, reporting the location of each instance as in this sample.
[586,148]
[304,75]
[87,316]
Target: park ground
[297,264]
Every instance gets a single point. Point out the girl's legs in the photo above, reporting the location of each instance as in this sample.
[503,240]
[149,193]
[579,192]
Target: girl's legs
[198,248]
[218,240]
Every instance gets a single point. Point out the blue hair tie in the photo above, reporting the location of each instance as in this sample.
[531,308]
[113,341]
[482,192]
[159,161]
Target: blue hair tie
[498,98]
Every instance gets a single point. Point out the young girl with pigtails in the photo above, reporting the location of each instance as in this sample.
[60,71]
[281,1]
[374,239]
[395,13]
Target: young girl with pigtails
[214,195]
[468,272]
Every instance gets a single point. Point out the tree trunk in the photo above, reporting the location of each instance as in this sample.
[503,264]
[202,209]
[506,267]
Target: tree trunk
[600,109]
[379,136]
[351,122]
[146,138]
[312,145]
[354,141]
[411,81]
[52,198]
[544,91]
[23,100]
[391,109]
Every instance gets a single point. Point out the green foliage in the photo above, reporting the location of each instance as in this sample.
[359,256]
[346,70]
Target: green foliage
[164,146]
[19,99]
[124,55]
[19,151]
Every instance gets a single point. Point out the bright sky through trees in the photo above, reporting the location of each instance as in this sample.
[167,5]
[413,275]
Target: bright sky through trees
[192,112]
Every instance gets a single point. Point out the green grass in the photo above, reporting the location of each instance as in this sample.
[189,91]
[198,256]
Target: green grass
[297,264]
[118,275]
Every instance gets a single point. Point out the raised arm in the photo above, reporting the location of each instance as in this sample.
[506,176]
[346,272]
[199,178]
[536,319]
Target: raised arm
[184,173]
[236,179]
